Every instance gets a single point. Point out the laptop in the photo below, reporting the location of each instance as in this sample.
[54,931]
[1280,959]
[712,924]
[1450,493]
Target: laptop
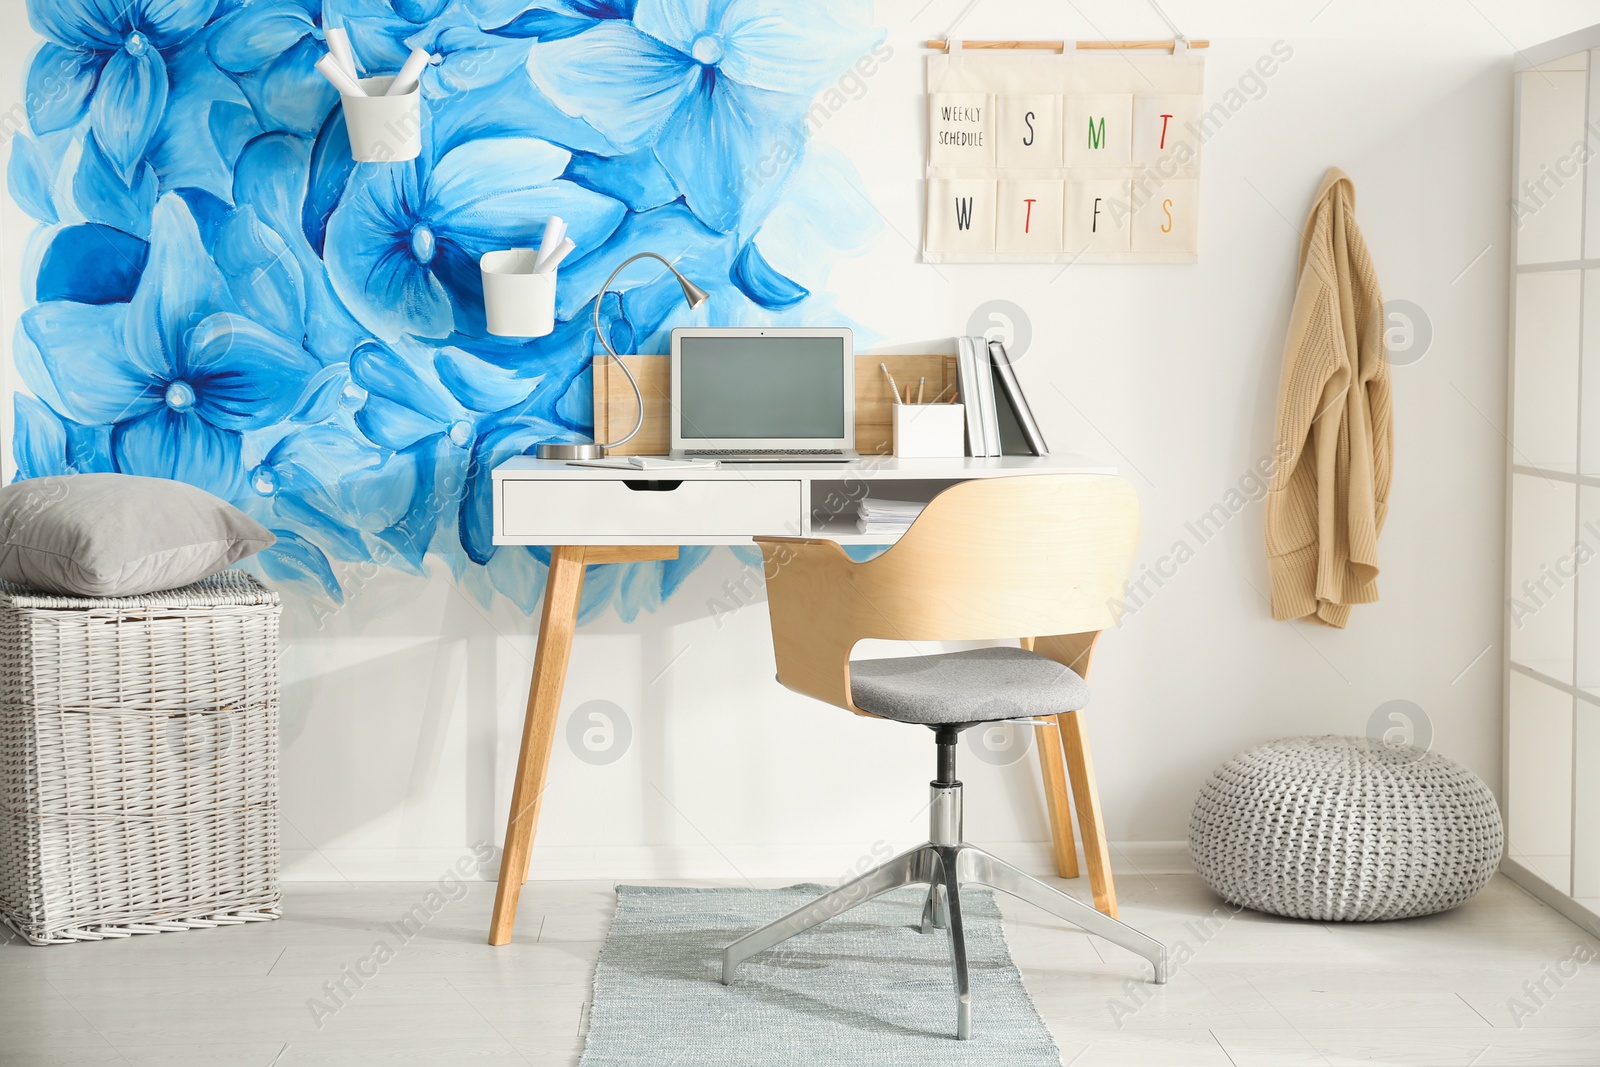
[777,395]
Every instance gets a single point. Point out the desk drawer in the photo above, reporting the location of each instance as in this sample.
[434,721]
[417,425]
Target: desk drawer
[556,508]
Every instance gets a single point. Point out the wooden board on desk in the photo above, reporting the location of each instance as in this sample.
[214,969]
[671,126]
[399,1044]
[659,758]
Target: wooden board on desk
[613,404]
[614,409]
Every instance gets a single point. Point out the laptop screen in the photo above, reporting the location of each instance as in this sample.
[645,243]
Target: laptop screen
[761,387]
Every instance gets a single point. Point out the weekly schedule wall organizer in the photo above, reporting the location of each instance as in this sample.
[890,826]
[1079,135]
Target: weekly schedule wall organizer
[1089,155]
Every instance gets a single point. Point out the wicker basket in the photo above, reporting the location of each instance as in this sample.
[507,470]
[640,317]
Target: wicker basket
[138,760]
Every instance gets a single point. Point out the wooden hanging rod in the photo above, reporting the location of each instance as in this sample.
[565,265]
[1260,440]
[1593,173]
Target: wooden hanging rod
[1061,46]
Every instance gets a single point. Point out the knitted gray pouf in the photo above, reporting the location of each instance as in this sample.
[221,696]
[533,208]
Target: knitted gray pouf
[1344,828]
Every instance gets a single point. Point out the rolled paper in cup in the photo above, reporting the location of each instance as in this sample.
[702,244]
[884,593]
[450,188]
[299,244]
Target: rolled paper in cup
[548,264]
[410,74]
[339,47]
[331,69]
[555,228]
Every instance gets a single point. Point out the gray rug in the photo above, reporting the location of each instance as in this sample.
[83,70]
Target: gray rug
[865,988]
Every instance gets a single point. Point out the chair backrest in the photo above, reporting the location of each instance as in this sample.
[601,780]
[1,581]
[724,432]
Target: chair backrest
[991,558]
[1007,557]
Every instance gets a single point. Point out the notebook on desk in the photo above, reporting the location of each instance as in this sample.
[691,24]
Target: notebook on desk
[777,395]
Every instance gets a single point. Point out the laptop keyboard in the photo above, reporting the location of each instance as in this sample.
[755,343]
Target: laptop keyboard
[714,452]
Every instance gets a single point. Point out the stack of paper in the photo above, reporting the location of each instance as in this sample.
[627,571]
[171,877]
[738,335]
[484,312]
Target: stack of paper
[875,516]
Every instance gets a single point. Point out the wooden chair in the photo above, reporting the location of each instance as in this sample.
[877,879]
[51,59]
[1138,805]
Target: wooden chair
[988,559]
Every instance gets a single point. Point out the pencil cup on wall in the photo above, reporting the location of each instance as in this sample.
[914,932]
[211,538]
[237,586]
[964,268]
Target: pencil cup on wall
[929,431]
[516,301]
[383,129]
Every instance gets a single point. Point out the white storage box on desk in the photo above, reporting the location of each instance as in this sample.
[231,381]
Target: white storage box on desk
[138,760]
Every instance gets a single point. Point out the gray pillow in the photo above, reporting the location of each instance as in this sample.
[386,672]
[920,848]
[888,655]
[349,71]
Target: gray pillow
[118,534]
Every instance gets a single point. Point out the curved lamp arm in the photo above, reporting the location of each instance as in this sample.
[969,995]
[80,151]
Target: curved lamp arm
[691,293]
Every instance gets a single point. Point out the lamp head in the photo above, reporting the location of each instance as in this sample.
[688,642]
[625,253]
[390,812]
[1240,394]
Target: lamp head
[692,292]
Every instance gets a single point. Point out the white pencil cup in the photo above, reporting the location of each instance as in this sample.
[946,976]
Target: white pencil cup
[930,431]
[383,129]
[516,301]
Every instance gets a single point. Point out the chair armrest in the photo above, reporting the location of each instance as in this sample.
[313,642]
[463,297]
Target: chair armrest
[809,595]
[1074,651]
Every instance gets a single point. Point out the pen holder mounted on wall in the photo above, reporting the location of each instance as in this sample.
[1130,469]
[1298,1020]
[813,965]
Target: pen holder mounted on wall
[517,300]
[383,129]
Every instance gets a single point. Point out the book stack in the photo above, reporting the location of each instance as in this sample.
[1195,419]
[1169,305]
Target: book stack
[887,516]
[999,421]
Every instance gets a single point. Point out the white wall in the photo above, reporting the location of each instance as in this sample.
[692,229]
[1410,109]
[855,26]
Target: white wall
[402,711]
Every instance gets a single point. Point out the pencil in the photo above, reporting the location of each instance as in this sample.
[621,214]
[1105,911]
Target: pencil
[894,390]
[922,384]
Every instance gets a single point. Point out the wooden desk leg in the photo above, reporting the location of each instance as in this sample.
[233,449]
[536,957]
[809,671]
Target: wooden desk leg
[1047,739]
[1096,853]
[593,555]
[562,591]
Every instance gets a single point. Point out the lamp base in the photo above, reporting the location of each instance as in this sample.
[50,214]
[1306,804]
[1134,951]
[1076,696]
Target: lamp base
[571,450]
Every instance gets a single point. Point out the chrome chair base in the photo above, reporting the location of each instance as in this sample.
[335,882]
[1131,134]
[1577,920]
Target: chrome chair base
[945,866]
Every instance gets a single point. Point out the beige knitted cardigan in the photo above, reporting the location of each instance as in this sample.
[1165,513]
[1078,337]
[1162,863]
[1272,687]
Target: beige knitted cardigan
[1335,435]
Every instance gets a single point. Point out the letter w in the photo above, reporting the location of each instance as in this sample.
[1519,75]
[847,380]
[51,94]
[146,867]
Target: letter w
[963,212]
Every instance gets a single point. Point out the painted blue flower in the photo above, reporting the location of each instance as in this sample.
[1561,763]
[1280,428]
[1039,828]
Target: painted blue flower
[380,29]
[717,88]
[456,423]
[30,178]
[403,245]
[103,197]
[646,297]
[104,58]
[334,486]
[288,186]
[293,558]
[178,373]
[464,56]
[43,443]
[272,49]
[551,20]
[203,99]
[304,335]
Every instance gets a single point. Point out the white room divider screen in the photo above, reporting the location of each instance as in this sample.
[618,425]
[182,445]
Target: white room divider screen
[1552,721]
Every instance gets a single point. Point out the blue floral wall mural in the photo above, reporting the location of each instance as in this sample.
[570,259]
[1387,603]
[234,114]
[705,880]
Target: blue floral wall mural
[216,293]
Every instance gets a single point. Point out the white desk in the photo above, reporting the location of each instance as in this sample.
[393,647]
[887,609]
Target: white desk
[593,515]
[545,502]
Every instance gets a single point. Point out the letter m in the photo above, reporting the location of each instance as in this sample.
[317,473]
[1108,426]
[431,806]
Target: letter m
[1097,138]
[12,122]
[963,212]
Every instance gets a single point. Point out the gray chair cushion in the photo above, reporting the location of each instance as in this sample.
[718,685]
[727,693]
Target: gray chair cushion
[979,685]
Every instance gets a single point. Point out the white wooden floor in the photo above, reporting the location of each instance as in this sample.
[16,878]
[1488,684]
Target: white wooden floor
[1257,991]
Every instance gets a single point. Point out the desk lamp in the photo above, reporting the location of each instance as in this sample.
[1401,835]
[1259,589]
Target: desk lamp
[594,449]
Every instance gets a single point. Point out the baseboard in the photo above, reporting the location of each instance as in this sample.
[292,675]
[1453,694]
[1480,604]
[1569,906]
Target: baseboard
[829,862]
[1546,893]
[1151,857]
